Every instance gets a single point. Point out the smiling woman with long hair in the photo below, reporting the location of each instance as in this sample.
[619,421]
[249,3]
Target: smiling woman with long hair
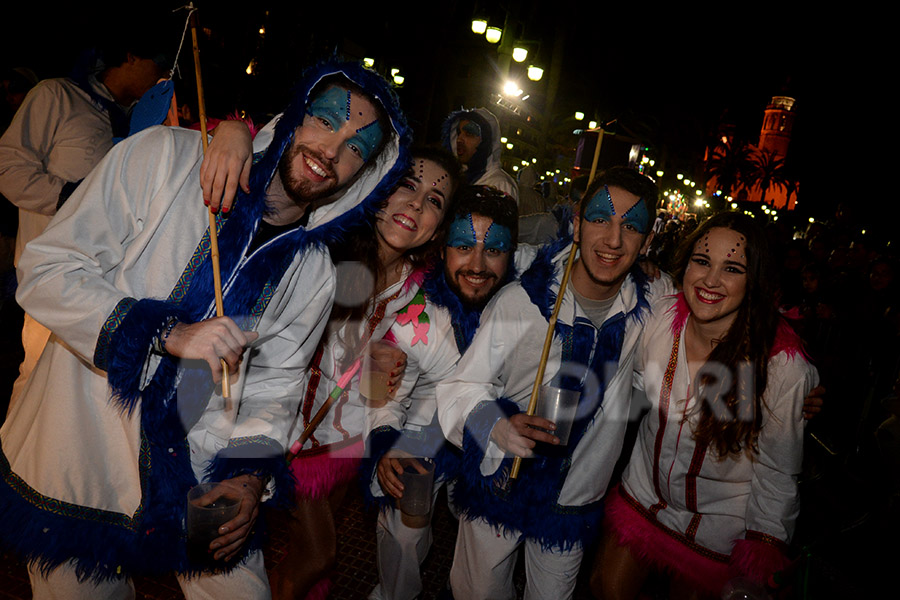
[380,269]
[710,491]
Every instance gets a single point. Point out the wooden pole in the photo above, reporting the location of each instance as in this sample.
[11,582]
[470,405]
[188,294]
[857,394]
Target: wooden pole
[551,325]
[213,234]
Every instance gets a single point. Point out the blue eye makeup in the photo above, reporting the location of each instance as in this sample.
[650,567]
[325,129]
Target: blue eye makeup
[471,128]
[367,139]
[333,105]
[498,237]
[638,217]
[600,206]
[462,232]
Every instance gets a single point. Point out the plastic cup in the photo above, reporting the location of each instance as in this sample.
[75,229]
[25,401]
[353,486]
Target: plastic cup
[373,378]
[209,506]
[418,488]
[560,406]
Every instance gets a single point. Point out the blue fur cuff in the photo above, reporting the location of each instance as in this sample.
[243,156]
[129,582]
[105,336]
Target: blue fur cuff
[259,456]
[125,342]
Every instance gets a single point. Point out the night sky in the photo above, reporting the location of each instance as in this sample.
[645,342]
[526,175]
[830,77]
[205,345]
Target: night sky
[675,72]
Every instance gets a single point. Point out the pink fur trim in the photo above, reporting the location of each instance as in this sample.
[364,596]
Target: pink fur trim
[658,547]
[681,311]
[318,473]
[414,279]
[320,590]
[786,340]
[757,560]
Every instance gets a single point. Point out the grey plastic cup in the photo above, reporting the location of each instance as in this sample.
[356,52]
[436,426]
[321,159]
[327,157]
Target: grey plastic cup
[417,487]
[209,506]
[560,406]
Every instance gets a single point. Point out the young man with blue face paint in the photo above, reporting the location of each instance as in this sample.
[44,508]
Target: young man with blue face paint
[553,508]
[135,377]
[478,260]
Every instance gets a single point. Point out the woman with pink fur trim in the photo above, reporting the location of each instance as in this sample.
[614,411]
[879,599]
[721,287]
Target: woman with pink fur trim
[710,492]
[380,269]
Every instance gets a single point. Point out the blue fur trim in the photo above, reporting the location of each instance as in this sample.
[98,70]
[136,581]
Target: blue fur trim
[429,443]
[378,443]
[528,505]
[540,279]
[129,347]
[465,319]
[108,545]
[260,456]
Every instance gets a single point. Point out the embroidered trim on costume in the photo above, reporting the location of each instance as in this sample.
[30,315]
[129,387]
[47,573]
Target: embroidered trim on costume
[664,398]
[692,545]
[101,350]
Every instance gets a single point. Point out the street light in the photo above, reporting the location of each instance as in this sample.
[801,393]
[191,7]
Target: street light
[493,34]
[535,73]
[479,26]
[369,62]
[579,116]
[519,54]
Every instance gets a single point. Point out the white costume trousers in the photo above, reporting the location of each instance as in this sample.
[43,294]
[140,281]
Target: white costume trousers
[247,581]
[484,561]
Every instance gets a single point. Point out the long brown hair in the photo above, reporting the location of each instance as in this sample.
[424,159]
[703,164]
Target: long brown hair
[731,417]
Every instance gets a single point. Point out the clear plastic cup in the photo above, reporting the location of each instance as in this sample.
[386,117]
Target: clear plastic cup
[209,506]
[418,486]
[560,406]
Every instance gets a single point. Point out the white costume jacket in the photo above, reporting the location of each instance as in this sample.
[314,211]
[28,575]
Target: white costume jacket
[557,498]
[57,136]
[687,492]
[97,458]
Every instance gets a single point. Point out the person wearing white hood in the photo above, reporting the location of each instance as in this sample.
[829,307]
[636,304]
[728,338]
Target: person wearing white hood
[122,416]
[474,136]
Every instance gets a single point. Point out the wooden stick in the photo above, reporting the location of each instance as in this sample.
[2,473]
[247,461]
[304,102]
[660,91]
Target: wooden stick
[213,234]
[551,325]
[320,414]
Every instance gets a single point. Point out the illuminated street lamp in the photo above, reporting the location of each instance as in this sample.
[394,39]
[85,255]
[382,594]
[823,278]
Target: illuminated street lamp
[369,62]
[493,34]
[519,54]
[511,88]
[579,116]
[479,26]
[592,125]
[535,73]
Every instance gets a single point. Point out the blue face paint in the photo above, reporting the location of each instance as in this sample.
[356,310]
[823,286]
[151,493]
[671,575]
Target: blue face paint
[333,106]
[638,217]
[367,139]
[462,232]
[471,128]
[601,206]
[498,237]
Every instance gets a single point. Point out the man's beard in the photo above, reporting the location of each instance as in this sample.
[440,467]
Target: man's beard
[470,303]
[303,191]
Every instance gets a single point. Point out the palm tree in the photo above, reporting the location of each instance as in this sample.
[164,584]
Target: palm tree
[769,171]
[731,165]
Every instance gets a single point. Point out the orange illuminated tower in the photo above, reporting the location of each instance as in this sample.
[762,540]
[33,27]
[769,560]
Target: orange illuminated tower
[777,123]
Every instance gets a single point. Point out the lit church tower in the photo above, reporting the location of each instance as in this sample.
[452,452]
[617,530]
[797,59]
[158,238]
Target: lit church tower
[777,124]
[775,137]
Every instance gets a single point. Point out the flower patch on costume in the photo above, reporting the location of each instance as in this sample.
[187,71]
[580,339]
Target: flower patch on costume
[414,313]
